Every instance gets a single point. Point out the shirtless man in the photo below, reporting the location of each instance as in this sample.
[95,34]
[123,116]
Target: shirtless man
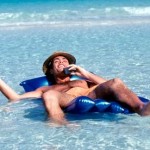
[60,94]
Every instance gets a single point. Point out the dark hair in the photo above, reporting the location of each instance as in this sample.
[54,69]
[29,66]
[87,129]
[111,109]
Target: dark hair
[49,75]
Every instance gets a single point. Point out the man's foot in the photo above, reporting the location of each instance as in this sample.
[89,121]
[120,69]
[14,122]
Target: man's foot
[68,124]
[59,121]
[145,111]
[57,118]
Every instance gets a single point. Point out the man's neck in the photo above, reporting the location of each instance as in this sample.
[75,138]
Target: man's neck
[62,79]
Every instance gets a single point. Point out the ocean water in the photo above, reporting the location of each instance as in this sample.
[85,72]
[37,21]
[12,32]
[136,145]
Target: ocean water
[110,38]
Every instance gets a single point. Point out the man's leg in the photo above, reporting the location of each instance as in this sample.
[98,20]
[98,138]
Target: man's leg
[115,89]
[54,101]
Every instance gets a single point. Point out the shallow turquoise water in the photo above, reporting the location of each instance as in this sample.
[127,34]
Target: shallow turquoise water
[110,49]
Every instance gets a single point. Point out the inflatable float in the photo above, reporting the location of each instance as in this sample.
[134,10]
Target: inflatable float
[81,104]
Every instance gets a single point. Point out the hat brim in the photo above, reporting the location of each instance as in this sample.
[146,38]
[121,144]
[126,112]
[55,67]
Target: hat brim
[48,61]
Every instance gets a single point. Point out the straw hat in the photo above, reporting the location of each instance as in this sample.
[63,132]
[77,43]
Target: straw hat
[48,61]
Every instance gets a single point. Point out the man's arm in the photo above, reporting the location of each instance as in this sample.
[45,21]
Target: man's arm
[58,87]
[79,71]
[38,92]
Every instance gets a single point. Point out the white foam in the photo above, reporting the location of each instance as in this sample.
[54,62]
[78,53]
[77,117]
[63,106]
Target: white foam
[138,11]
[75,23]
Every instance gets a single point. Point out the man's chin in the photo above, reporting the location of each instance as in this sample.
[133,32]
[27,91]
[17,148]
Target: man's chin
[62,74]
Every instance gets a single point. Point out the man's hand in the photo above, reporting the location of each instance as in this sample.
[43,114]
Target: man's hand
[79,71]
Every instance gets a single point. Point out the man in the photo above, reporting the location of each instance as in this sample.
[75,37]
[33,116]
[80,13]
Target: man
[60,94]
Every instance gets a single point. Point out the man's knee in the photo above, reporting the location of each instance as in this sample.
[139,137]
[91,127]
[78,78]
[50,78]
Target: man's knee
[116,82]
[51,94]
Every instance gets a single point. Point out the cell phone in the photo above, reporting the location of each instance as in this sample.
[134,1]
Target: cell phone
[67,71]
